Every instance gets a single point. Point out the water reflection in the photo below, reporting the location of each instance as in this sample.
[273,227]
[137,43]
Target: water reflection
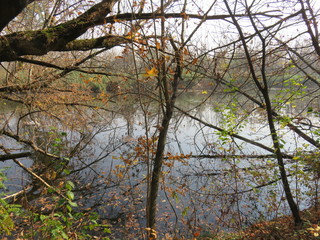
[105,153]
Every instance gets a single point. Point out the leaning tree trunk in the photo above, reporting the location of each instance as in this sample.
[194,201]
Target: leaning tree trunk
[170,92]
[157,166]
[275,139]
[263,88]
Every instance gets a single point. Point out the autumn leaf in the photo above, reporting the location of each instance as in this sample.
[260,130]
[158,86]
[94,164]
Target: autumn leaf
[116,20]
[196,234]
[171,70]
[194,61]
[158,46]
[184,15]
[204,92]
[151,73]
[130,35]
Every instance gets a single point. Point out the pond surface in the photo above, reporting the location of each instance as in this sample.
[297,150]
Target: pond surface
[110,162]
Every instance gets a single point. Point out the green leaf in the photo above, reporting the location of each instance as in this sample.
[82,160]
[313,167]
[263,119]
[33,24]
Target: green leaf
[185,211]
[64,235]
[73,204]
[106,230]
[70,185]
[69,208]
[309,110]
[70,195]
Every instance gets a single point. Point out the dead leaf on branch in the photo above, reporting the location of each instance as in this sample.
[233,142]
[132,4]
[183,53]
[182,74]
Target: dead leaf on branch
[151,73]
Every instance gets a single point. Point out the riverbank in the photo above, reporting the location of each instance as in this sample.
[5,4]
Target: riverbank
[280,228]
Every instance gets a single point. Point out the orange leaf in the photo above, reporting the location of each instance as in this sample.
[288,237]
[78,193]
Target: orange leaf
[151,73]
[158,45]
[184,15]
[194,61]
[196,234]
[130,35]
[116,20]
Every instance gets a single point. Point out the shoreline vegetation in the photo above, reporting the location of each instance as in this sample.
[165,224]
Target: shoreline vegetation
[279,228]
[276,229]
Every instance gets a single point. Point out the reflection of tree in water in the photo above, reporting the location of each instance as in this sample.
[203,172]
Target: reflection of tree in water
[74,147]
[128,111]
[110,172]
[129,118]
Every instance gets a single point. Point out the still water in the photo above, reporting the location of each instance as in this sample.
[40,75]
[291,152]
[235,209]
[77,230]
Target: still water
[110,159]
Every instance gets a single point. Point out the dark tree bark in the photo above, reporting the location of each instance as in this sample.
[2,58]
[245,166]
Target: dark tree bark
[54,38]
[14,156]
[170,100]
[9,9]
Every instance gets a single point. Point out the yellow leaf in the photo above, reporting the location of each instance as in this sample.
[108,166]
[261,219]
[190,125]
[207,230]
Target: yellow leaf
[151,73]
[316,234]
[130,36]
[53,175]
[204,92]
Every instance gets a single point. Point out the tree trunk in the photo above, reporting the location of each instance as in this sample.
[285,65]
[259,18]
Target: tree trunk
[293,206]
[157,166]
